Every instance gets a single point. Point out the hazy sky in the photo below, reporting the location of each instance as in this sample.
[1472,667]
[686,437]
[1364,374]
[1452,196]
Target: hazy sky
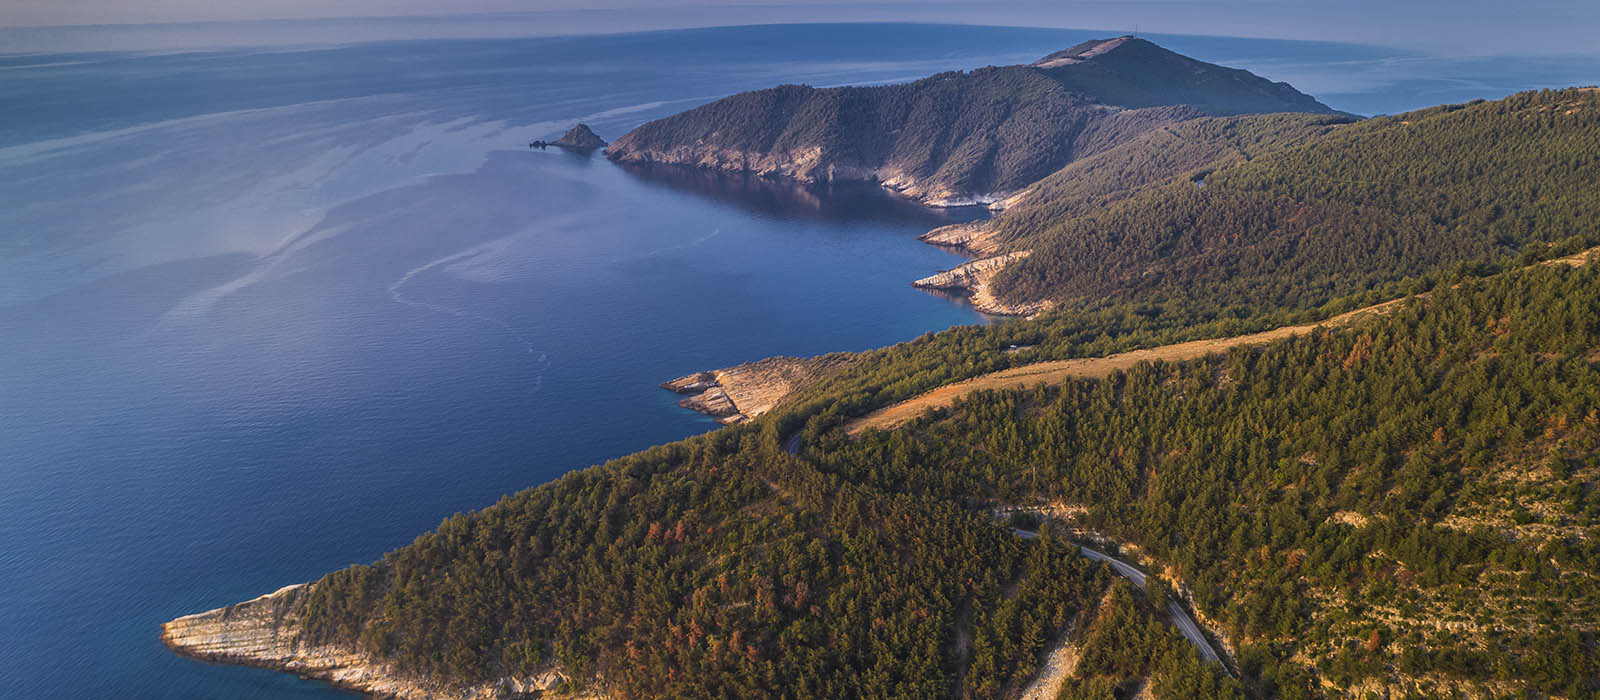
[1474,27]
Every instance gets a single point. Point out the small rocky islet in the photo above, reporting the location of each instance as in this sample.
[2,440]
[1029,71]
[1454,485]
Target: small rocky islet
[578,138]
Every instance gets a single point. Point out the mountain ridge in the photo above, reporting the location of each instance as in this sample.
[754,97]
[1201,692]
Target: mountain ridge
[961,137]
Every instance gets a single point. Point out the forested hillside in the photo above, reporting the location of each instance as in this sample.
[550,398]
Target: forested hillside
[1360,206]
[958,135]
[1404,507]
[717,567]
[1181,152]
[1407,504]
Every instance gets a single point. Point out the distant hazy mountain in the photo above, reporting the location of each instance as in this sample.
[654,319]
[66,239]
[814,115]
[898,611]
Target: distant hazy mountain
[960,136]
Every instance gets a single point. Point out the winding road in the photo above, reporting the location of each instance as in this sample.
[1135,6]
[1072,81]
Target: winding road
[1094,367]
[1180,617]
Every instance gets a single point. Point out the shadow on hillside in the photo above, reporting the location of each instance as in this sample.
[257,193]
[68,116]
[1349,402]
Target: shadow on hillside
[786,199]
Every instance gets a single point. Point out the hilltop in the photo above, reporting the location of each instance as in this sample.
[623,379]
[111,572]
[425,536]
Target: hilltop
[959,137]
[581,137]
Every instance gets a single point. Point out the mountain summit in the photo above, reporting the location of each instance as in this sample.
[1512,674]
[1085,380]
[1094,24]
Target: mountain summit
[1084,51]
[960,137]
[1132,72]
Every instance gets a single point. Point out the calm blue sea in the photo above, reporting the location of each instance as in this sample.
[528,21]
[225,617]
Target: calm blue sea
[268,310]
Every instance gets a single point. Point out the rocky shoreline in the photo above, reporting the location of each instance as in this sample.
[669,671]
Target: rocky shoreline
[976,278]
[742,392]
[805,166]
[974,239]
[261,633]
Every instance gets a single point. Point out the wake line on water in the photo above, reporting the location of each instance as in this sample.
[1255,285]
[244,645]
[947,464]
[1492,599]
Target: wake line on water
[681,246]
[541,359]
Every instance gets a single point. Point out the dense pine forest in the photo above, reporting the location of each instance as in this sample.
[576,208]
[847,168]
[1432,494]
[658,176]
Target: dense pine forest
[1425,480]
[1361,206]
[1403,507]
[1175,153]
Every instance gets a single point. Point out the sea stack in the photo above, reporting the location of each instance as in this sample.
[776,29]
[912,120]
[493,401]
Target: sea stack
[581,137]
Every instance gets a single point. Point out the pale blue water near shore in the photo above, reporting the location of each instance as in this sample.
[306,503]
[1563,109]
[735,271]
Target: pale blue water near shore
[269,310]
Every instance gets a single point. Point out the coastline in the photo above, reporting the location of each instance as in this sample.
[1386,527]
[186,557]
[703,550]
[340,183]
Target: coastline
[261,633]
[743,392]
[976,278]
[974,239]
[806,167]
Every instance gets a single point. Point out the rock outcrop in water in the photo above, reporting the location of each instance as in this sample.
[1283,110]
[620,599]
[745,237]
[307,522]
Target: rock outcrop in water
[578,138]
[963,137]
[263,633]
[581,136]
[740,393]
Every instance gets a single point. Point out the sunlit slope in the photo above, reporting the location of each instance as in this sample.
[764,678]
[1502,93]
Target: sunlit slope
[1361,205]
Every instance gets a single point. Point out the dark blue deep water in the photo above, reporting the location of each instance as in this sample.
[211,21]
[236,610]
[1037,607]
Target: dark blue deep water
[269,311]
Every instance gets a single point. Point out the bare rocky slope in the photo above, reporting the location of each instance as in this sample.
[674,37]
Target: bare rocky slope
[743,392]
[961,137]
[975,277]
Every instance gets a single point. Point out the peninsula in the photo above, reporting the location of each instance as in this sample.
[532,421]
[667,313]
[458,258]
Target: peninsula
[1333,384]
[963,137]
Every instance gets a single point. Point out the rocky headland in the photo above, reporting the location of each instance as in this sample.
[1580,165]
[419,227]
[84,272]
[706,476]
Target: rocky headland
[263,632]
[740,393]
[975,279]
[974,239]
[959,138]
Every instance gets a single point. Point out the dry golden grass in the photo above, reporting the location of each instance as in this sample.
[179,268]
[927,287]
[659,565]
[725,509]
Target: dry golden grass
[1056,371]
[1083,368]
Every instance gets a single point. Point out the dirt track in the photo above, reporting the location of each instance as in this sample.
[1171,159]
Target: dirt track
[1056,371]
[1085,367]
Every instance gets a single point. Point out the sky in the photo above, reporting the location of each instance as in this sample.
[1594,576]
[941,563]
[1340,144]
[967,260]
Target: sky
[1456,27]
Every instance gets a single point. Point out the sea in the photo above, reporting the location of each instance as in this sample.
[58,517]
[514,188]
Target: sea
[276,298]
